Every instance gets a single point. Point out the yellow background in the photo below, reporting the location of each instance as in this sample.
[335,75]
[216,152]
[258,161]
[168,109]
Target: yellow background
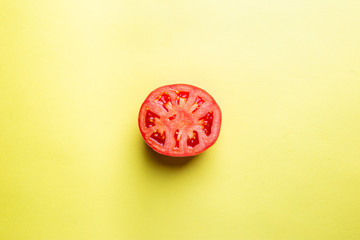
[74,73]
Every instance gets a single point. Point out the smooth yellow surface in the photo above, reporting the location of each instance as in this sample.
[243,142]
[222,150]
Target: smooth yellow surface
[73,75]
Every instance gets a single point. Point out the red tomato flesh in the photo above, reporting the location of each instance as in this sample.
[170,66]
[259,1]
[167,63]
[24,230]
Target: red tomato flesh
[179,120]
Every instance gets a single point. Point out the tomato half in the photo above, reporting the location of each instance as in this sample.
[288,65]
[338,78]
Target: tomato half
[179,120]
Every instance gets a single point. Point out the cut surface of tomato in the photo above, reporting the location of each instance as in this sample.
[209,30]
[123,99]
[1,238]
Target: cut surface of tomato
[179,120]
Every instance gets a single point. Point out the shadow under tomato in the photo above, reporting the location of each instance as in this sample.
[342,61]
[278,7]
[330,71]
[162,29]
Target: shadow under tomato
[175,162]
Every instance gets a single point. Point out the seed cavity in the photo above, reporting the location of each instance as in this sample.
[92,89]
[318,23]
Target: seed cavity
[206,122]
[158,137]
[164,100]
[198,102]
[194,140]
[150,119]
[177,137]
[172,117]
[182,97]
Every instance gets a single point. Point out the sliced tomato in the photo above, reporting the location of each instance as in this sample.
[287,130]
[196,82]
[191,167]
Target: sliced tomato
[179,120]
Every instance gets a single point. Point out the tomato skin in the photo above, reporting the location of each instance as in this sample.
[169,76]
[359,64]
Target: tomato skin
[179,120]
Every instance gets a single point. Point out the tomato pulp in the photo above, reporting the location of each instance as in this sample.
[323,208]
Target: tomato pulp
[179,120]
